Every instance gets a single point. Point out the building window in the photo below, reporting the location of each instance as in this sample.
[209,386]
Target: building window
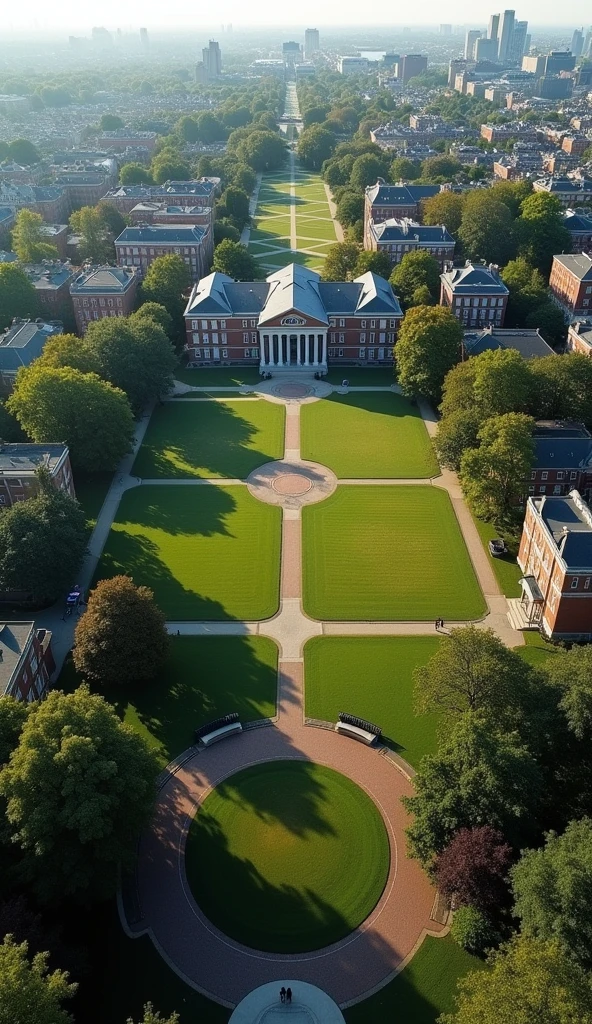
[361,353]
[245,339]
[372,335]
[332,321]
[557,489]
[373,323]
[214,325]
[573,475]
[254,337]
[560,474]
[533,475]
[574,582]
[340,353]
[341,322]
[542,489]
[544,475]
[341,339]
[253,323]
[245,323]
[382,325]
[223,324]
[225,353]
[363,323]
[531,490]
[587,583]
[363,338]
[392,323]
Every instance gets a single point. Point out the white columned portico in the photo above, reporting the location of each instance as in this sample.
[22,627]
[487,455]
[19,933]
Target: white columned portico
[280,361]
[324,360]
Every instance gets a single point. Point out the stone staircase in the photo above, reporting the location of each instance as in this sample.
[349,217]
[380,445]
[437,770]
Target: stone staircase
[516,616]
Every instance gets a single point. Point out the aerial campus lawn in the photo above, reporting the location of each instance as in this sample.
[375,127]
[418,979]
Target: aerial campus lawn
[205,677]
[273,861]
[367,434]
[271,230]
[207,552]
[387,553]
[217,376]
[213,438]
[372,677]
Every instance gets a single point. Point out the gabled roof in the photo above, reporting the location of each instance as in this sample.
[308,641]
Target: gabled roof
[376,295]
[473,279]
[104,279]
[528,342]
[573,220]
[293,288]
[161,234]
[218,295]
[24,342]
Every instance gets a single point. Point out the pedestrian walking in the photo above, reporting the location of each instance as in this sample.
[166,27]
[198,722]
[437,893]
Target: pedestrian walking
[441,623]
[437,624]
[282,994]
[288,995]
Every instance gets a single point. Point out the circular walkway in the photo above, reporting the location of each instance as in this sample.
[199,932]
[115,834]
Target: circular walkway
[291,484]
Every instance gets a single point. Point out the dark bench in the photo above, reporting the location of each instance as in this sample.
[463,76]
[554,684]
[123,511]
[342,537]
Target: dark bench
[358,729]
[219,729]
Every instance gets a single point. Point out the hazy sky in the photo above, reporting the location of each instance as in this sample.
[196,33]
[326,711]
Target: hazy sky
[72,15]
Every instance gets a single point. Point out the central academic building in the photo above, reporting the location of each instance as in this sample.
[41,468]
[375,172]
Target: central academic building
[292,319]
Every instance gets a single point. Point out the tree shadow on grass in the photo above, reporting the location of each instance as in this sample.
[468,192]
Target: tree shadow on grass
[175,510]
[201,439]
[385,403]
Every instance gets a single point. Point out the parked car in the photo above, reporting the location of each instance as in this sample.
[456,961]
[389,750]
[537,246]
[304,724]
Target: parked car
[497,547]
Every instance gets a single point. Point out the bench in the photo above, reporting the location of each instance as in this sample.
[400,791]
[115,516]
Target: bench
[356,733]
[221,733]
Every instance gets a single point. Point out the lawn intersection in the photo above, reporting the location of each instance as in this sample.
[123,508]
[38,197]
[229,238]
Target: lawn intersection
[254,519]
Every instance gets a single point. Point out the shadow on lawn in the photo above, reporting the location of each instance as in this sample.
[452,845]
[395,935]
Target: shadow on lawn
[178,511]
[186,440]
[380,402]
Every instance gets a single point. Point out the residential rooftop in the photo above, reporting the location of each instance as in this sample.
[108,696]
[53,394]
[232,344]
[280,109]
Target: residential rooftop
[50,274]
[14,639]
[578,264]
[569,520]
[24,341]
[474,279]
[528,342]
[104,279]
[161,234]
[405,229]
[20,458]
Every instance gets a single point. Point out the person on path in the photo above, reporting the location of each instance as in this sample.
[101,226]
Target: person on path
[288,995]
[282,994]
[437,624]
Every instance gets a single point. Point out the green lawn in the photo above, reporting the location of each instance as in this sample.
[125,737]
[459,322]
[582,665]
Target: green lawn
[207,552]
[218,376]
[362,376]
[273,860]
[205,677]
[422,991]
[209,439]
[372,677]
[387,553]
[506,569]
[367,434]
[536,650]
[91,491]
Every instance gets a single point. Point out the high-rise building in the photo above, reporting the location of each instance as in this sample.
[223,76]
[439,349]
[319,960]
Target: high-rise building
[102,38]
[410,65]
[291,52]
[144,38]
[212,60]
[485,49]
[311,42]
[577,42]
[558,61]
[493,29]
[473,34]
[445,30]
[518,43]
[506,33]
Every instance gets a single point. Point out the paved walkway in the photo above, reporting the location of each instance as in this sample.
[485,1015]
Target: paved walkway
[163,906]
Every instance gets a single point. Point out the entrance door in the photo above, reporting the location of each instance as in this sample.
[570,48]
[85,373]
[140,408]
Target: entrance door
[293,350]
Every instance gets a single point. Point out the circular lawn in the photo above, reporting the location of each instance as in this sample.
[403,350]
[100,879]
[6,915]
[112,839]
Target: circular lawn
[287,856]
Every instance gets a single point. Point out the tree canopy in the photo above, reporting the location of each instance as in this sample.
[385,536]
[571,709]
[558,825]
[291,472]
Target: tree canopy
[17,295]
[28,240]
[486,228]
[341,261]
[79,787]
[121,637]
[234,259]
[89,414]
[376,261]
[428,345]
[315,145]
[29,991]
[167,278]
[133,354]
[473,868]
[416,271]
[135,174]
[95,243]
[493,474]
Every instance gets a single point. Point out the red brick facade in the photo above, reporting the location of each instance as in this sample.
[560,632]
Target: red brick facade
[571,283]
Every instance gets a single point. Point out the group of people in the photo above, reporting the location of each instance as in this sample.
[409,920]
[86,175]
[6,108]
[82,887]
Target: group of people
[285,995]
[439,623]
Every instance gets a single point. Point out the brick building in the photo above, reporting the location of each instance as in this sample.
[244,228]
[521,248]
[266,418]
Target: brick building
[579,225]
[51,280]
[201,192]
[555,556]
[141,244]
[475,294]
[579,337]
[56,234]
[51,201]
[397,237]
[83,188]
[20,344]
[123,138]
[562,460]
[383,202]
[26,661]
[529,342]
[98,292]
[292,319]
[570,193]
[163,213]
[570,283]
[18,470]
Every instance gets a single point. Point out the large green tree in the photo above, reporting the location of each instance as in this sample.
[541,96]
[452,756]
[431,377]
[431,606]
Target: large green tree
[12,718]
[472,670]
[169,165]
[529,982]
[121,637]
[234,259]
[94,244]
[478,776]
[167,278]
[562,387]
[42,541]
[133,354]
[428,346]
[29,992]
[444,208]
[456,432]
[17,295]
[350,208]
[135,174]
[376,261]
[494,475]
[89,414]
[541,232]
[367,169]
[552,891]
[404,169]
[486,228]
[316,145]
[502,382]
[528,290]
[68,350]
[263,151]
[22,151]
[340,261]
[570,671]
[79,787]
[416,270]
[28,240]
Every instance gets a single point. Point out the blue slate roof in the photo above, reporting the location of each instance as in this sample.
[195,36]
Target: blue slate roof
[161,234]
[529,343]
[474,280]
[563,452]
[571,528]
[394,230]
[24,342]
[381,194]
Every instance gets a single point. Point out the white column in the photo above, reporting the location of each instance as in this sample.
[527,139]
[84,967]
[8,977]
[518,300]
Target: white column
[317,350]
[263,359]
[280,361]
[270,361]
[324,360]
[299,349]
[306,355]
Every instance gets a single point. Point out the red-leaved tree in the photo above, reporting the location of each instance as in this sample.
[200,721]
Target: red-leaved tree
[472,869]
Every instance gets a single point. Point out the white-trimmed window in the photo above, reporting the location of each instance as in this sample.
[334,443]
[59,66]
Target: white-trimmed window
[574,582]
[544,475]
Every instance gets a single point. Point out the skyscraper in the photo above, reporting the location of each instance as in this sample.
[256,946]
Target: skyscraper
[473,34]
[212,60]
[311,42]
[144,38]
[518,42]
[506,33]
[493,29]
[577,42]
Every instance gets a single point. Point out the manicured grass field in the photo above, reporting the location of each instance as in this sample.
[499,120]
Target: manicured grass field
[273,860]
[536,650]
[208,439]
[387,553]
[367,434]
[207,552]
[423,990]
[313,221]
[205,677]
[91,491]
[372,677]
[362,376]
[218,377]
[506,569]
